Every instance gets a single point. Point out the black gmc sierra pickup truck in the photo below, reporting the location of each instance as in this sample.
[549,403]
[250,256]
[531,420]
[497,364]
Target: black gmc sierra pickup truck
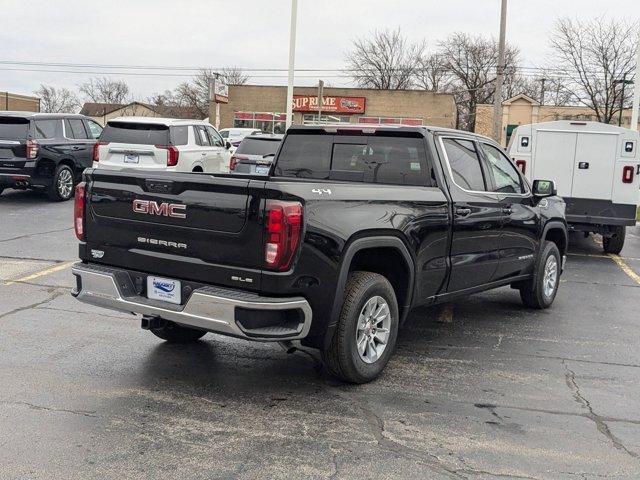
[353,227]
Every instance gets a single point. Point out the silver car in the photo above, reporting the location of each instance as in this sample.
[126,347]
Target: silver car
[255,154]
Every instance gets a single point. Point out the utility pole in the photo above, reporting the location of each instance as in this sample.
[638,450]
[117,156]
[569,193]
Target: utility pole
[636,92]
[497,100]
[624,82]
[542,82]
[292,61]
[320,92]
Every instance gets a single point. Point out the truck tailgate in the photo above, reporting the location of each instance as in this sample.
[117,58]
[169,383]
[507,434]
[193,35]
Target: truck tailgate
[191,226]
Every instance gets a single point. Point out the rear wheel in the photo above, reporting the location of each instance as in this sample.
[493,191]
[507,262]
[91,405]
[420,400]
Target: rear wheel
[367,329]
[614,243]
[61,188]
[174,333]
[541,291]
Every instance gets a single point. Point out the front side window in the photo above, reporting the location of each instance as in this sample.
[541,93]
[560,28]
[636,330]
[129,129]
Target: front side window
[46,128]
[465,164]
[216,139]
[94,129]
[504,173]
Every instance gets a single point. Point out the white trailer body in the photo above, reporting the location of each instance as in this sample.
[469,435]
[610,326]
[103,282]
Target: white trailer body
[596,169]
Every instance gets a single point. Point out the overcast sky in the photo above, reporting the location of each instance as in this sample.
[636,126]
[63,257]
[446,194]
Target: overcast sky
[249,33]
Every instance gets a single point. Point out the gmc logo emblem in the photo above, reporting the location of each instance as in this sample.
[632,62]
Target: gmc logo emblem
[164,209]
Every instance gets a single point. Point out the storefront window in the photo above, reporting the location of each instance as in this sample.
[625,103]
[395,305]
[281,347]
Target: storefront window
[312,119]
[267,122]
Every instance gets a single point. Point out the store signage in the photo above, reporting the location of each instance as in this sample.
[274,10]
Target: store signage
[220,92]
[309,103]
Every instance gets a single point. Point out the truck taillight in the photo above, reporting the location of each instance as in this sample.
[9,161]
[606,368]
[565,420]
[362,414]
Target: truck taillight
[233,162]
[627,174]
[522,165]
[96,151]
[283,231]
[78,211]
[32,149]
[172,154]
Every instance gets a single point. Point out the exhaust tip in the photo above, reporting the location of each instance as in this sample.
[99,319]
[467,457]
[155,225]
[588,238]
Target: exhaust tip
[287,346]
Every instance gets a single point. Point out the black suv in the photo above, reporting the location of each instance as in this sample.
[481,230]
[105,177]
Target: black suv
[46,151]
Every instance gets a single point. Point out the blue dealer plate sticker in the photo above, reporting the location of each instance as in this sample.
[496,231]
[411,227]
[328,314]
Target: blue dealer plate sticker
[130,158]
[164,289]
[262,169]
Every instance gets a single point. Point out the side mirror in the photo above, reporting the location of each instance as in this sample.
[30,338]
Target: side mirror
[227,145]
[544,188]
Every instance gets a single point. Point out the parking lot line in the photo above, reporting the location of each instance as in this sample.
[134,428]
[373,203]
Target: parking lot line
[41,273]
[625,268]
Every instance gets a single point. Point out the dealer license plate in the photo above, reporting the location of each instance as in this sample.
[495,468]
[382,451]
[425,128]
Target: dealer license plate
[164,289]
[128,158]
[262,169]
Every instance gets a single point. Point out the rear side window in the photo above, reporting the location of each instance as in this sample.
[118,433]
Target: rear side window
[179,135]
[14,128]
[75,129]
[46,128]
[202,137]
[374,159]
[252,146]
[136,133]
[465,164]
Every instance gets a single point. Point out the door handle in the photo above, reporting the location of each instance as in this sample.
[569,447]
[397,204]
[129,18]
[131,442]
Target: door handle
[463,211]
[203,154]
[507,210]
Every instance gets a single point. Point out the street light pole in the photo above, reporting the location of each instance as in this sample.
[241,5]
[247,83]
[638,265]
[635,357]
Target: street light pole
[292,61]
[636,92]
[497,100]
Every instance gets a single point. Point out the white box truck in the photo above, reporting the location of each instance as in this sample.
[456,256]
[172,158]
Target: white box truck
[595,167]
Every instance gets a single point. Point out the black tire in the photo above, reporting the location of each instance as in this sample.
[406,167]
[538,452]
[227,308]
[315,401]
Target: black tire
[614,243]
[174,333]
[532,292]
[1,190]
[197,170]
[58,191]
[342,358]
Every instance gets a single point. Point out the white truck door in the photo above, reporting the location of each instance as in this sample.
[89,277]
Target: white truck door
[594,165]
[554,157]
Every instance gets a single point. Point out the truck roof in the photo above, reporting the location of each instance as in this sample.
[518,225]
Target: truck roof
[386,127]
[578,126]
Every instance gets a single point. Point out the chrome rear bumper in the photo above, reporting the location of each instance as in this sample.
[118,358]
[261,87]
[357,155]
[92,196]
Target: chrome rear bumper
[207,308]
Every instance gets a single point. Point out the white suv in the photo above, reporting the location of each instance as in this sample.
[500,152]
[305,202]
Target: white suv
[156,144]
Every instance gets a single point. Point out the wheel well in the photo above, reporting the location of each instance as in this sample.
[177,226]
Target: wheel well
[557,236]
[197,169]
[46,167]
[390,263]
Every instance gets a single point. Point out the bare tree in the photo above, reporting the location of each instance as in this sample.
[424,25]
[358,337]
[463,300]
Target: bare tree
[105,90]
[472,62]
[167,98]
[598,55]
[233,76]
[57,100]
[432,73]
[385,60]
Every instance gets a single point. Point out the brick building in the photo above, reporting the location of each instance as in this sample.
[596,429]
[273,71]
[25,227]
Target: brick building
[264,107]
[23,103]
[523,110]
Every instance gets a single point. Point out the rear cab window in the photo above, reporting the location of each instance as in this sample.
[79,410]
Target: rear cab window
[14,128]
[385,158]
[136,133]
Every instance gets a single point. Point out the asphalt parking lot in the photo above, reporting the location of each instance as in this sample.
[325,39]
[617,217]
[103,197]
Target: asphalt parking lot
[477,389]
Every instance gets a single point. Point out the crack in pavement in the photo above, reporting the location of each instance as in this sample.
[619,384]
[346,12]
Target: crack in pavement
[51,409]
[35,234]
[603,428]
[51,298]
